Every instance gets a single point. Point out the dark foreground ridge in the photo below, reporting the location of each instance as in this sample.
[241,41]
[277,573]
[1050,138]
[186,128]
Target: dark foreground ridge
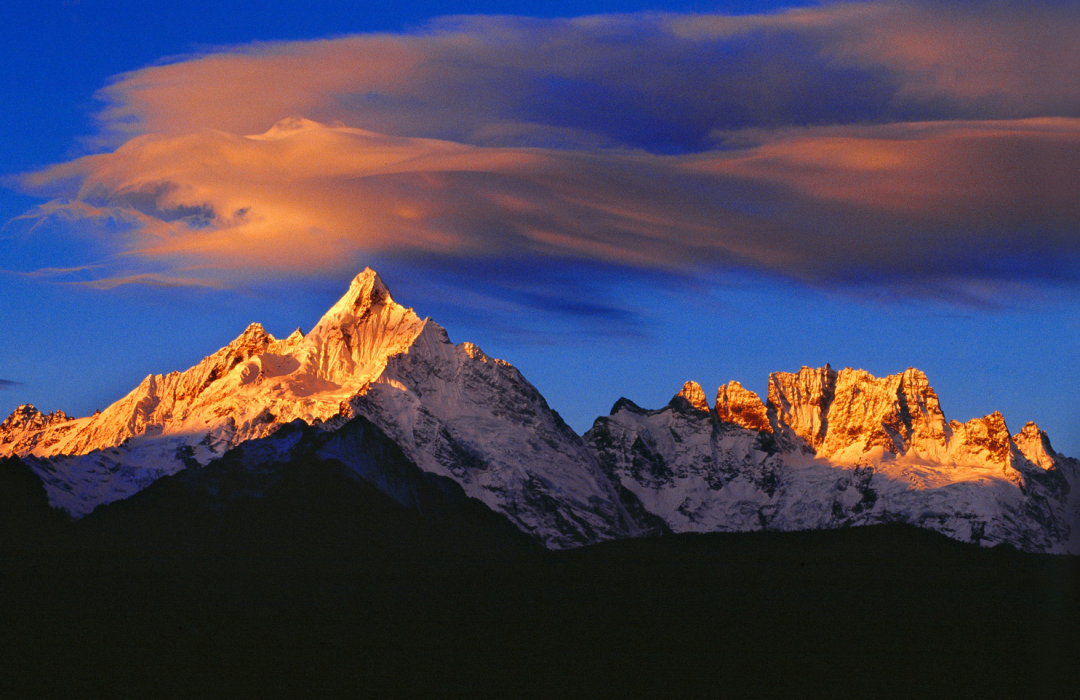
[298,579]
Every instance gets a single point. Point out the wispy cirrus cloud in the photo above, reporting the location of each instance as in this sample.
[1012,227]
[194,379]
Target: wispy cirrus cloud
[657,81]
[909,204]
[922,148]
[6,384]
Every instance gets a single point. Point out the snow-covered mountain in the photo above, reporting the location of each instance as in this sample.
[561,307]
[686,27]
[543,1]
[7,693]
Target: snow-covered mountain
[826,448]
[454,410]
[831,449]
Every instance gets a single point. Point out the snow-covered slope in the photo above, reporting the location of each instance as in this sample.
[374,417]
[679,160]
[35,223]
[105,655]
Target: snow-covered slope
[460,413]
[454,410]
[831,449]
[825,449]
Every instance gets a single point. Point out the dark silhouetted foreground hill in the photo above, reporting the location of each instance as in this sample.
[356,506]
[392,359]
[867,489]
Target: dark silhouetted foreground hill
[303,578]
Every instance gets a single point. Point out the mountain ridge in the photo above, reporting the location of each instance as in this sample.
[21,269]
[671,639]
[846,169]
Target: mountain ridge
[835,448]
[454,410]
[826,448]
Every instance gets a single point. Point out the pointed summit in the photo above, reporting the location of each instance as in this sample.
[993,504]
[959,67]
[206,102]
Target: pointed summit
[1034,444]
[366,291]
[24,416]
[740,406]
[253,335]
[353,339]
[691,393]
[367,278]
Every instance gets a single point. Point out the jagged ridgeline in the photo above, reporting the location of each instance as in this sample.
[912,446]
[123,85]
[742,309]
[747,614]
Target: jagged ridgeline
[825,449]
[831,449]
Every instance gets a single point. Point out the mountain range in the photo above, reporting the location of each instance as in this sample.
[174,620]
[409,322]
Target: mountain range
[825,449]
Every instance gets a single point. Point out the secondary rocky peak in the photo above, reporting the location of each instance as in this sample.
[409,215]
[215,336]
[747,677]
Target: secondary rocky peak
[865,413]
[1034,444]
[253,340]
[740,406]
[27,417]
[22,430]
[625,404]
[24,416]
[286,346]
[691,394]
[916,378]
[987,437]
[885,455]
[1031,433]
[801,401]
[897,413]
[928,431]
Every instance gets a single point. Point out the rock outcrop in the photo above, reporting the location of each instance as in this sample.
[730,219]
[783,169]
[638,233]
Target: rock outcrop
[836,448]
[737,405]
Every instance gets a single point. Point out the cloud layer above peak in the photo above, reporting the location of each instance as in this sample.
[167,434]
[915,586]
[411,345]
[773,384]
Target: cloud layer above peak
[660,82]
[922,147]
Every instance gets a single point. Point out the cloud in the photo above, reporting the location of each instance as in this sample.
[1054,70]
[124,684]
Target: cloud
[149,279]
[661,82]
[93,246]
[925,200]
[6,384]
[906,202]
[890,146]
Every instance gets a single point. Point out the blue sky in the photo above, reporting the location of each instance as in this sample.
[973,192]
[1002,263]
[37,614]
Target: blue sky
[659,192]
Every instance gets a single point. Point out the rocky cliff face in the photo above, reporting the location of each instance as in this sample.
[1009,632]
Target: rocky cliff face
[26,428]
[1034,445]
[799,406]
[742,407]
[831,449]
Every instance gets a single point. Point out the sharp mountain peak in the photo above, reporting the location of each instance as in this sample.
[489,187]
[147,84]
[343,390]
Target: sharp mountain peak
[824,449]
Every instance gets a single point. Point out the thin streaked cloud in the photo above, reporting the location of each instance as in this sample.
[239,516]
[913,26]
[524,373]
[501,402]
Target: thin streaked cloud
[917,148]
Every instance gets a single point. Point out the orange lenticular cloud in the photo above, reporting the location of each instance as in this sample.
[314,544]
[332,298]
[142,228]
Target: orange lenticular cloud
[301,194]
[878,142]
[811,203]
[521,81]
[1002,172]
[249,87]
